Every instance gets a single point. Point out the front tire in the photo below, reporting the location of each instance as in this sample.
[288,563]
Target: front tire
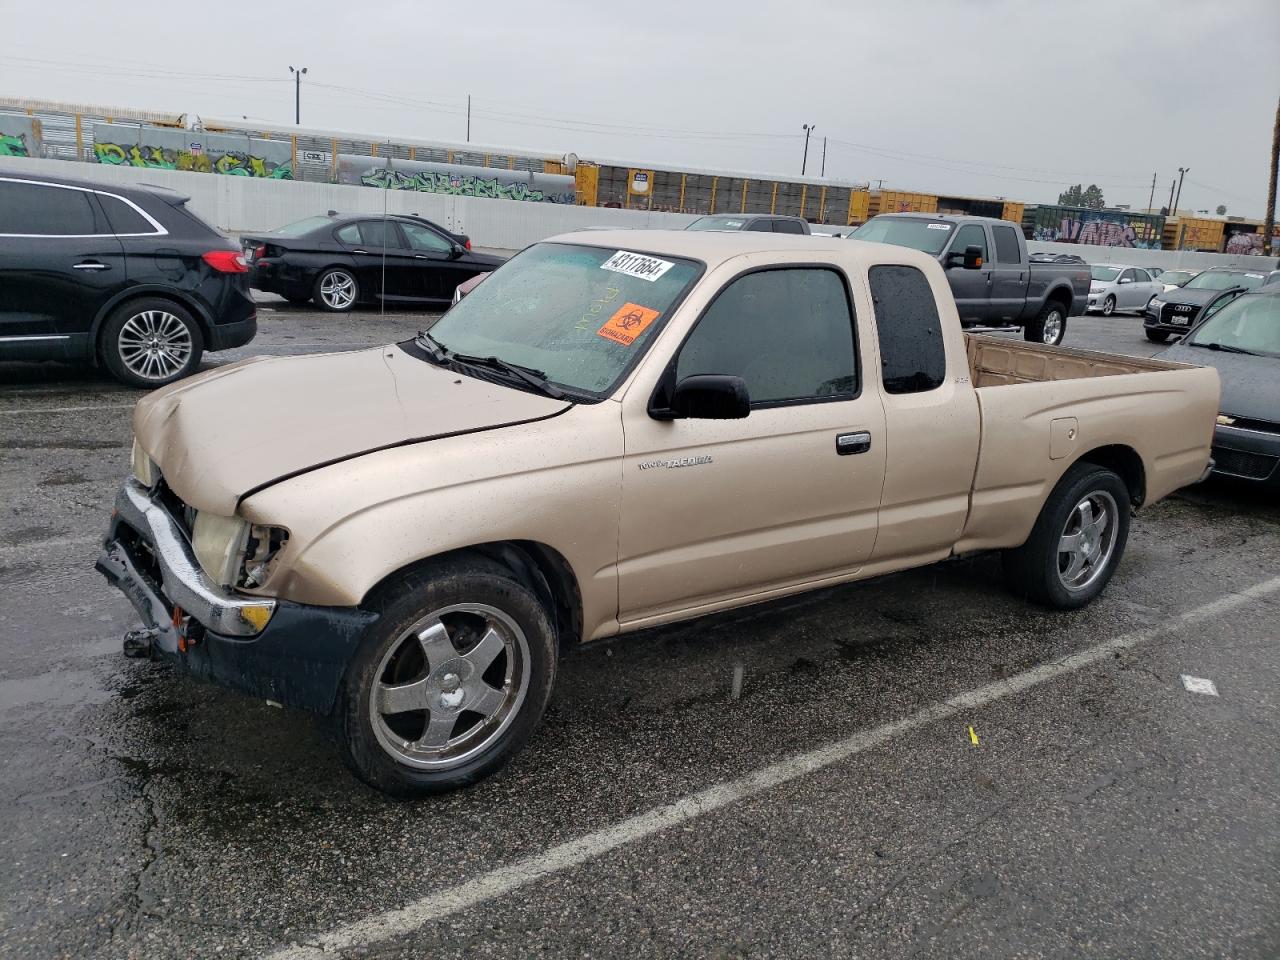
[1077,540]
[1108,306]
[336,290]
[450,682]
[150,342]
[1049,327]
[1157,336]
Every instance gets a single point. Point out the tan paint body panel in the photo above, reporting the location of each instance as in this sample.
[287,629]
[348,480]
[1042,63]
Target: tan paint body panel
[772,511]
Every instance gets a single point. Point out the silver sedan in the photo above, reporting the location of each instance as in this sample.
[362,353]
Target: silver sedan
[1115,287]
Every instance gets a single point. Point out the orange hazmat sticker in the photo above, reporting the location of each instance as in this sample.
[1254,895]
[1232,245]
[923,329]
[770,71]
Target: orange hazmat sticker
[628,323]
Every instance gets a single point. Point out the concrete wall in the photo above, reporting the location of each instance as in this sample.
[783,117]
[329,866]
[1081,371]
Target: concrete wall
[246,204]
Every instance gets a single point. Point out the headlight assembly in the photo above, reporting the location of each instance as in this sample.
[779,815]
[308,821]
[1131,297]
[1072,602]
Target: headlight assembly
[144,468]
[218,543]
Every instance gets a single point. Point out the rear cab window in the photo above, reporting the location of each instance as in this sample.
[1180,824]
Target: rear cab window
[1008,250]
[913,358]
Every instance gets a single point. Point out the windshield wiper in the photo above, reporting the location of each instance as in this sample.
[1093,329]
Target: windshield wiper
[437,351]
[1227,348]
[534,378]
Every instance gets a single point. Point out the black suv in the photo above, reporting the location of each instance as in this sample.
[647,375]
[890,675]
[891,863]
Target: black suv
[124,276]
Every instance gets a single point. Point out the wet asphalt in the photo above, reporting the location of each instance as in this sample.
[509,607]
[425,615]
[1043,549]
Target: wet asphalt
[1105,813]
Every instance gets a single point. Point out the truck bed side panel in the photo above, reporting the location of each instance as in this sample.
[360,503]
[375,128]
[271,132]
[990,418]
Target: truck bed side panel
[1166,416]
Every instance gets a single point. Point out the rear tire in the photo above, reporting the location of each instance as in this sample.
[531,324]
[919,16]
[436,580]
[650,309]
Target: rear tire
[451,680]
[336,290]
[1108,306]
[1157,336]
[1049,327]
[1077,540]
[150,342]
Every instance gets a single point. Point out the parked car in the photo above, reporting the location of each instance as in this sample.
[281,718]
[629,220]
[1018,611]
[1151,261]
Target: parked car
[339,262]
[1009,291]
[1241,340]
[1170,279]
[1119,287]
[756,222]
[126,277]
[469,285]
[1176,311]
[612,432]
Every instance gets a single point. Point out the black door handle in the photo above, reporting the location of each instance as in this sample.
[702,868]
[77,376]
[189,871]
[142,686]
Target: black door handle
[857,442]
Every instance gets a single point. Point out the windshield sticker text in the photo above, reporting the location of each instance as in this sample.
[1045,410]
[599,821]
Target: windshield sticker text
[628,323]
[939,226]
[637,265]
[592,314]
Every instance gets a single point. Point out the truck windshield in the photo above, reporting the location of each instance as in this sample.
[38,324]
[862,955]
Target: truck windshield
[580,315]
[1209,280]
[1105,274]
[929,236]
[1250,324]
[717,223]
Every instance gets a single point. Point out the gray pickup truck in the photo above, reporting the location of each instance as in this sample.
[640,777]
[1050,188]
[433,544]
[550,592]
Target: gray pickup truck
[1007,291]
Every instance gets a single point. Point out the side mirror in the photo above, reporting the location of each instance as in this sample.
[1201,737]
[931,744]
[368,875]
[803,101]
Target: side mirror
[711,396]
[456,251]
[971,259]
[1126,280]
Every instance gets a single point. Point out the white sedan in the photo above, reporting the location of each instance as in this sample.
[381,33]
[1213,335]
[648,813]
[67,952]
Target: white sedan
[1115,287]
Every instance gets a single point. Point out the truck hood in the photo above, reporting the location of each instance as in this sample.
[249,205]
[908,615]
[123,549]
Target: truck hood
[1250,385]
[222,434]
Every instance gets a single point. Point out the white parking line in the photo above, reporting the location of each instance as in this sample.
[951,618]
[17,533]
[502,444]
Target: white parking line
[437,906]
[101,406]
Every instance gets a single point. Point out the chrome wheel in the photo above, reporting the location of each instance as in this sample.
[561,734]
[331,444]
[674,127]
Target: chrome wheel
[338,290]
[154,345]
[1108,306]
[449,686]
[1088,540]
[1052,327]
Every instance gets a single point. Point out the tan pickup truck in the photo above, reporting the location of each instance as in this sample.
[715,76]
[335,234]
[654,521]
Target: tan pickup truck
[616,430]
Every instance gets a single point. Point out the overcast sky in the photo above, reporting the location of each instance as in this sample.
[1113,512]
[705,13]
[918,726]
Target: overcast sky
[1013,98]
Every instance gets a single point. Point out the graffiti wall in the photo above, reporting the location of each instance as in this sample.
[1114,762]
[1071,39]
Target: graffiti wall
[1246,240]
[19,136]
[1104,228]
[456,180]
[121,144]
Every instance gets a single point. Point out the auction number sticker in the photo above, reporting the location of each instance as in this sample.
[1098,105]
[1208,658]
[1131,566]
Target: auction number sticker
[637,265]
[939,226]
[628,323]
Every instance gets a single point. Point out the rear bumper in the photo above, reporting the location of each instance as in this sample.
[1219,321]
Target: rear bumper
[274,649]
[224,336]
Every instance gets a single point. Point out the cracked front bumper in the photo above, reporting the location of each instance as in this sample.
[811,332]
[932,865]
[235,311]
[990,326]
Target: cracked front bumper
[292,653]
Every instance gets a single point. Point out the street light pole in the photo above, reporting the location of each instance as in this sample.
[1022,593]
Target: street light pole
[824,158]
[1182,172]
[297,95]
[808,129]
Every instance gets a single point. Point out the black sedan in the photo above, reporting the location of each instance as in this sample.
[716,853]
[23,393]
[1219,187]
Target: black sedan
[128,277]
[341,261]
[1174,312]
[1241,338]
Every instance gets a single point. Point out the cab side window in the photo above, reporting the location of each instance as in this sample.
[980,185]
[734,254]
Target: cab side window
[913,358]
[788,333]
[970,235]
[1007,248]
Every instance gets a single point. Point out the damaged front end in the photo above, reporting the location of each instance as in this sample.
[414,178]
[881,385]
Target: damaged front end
[286,652]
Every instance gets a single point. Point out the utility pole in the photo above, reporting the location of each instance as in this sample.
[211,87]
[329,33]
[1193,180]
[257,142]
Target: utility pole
[824,158]
[1269,218]
[1173,184]
[1152,199]
[297,95]
[808,129]
[468,118]
[1182,172]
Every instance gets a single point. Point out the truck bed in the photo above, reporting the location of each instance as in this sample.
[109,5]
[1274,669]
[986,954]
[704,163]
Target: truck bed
[995,361]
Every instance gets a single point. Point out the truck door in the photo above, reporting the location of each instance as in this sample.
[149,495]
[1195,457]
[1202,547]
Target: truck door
[1010,275]
[720,509]
[971,288]
[931,418]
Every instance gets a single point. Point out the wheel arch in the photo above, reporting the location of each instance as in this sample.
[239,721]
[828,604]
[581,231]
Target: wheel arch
[1124,461]
[540,567]
[197,310]
[1061,293]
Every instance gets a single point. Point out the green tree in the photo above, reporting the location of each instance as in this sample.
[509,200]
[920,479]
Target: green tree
[1079,195]
[1222,209]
